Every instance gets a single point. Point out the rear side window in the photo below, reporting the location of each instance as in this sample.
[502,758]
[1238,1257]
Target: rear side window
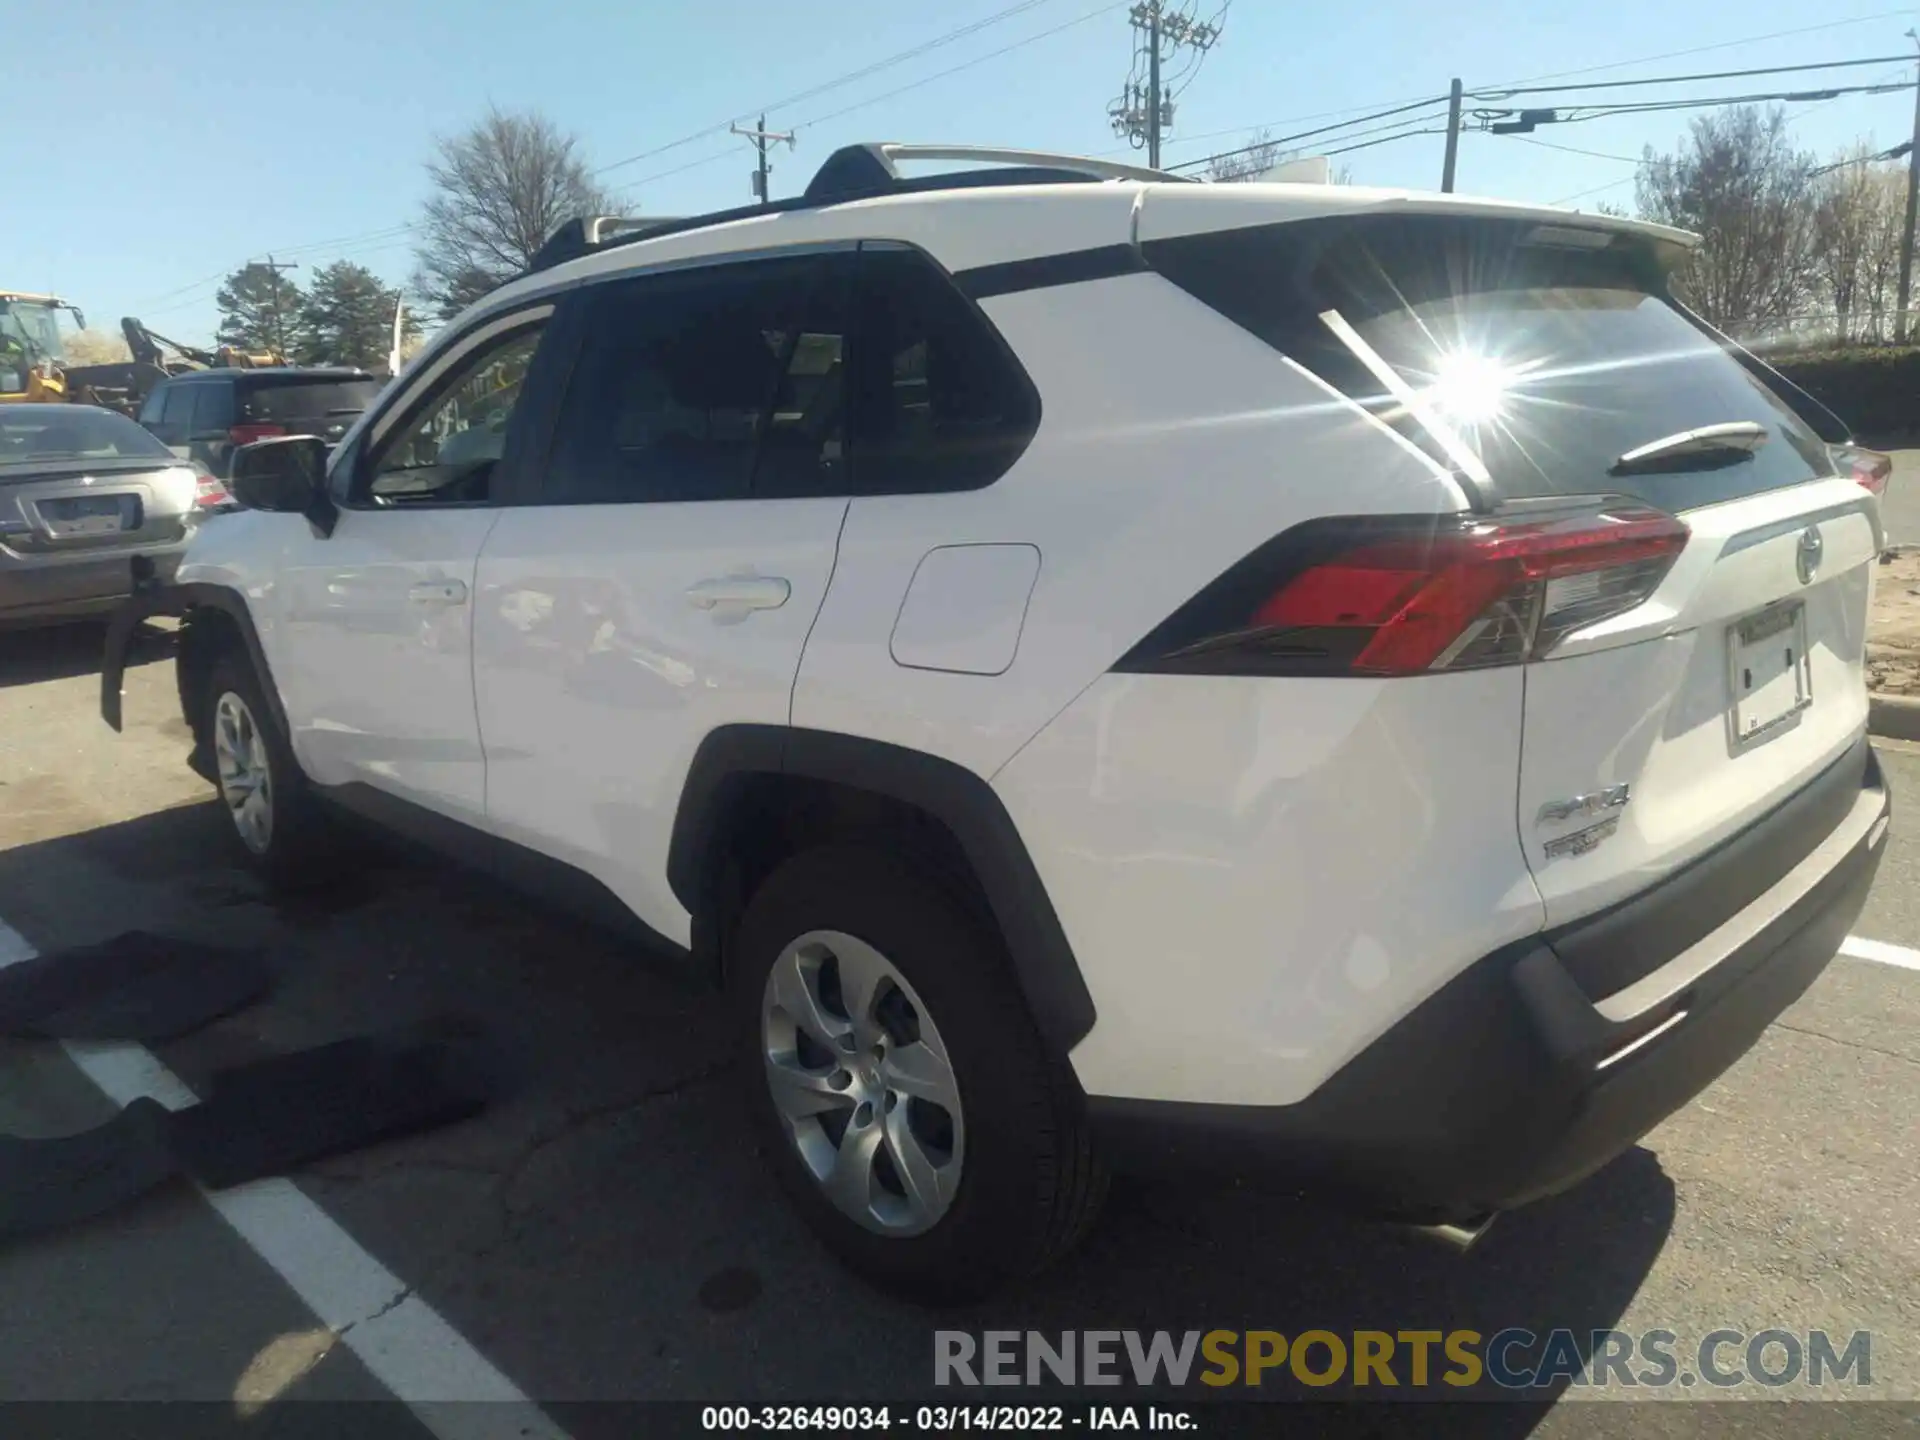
[938,402]
[1549,350]
[178,414]
[680,375]
[305,399]
[213,408]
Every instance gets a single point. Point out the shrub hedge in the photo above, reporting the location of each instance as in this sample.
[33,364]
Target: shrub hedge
[1876,390]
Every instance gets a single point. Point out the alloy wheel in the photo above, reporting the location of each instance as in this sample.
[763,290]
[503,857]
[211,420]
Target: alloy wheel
[246,777]
[862,1082]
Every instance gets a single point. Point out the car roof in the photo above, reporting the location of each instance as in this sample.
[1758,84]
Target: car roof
[296,372]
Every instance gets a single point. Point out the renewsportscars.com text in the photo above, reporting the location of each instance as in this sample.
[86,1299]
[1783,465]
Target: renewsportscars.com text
[1443,1360]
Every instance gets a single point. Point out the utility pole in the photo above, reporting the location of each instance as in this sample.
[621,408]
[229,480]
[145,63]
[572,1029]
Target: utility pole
[1153,85]
[1913,198]
[279,320]
[760,137]
[1143,114]
[1453,137]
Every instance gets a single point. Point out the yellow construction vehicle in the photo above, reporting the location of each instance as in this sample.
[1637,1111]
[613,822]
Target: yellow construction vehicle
[33,366]
[31,358]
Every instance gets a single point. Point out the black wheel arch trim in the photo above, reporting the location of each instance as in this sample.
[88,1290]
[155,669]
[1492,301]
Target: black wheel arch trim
[151,598]
[1043,960]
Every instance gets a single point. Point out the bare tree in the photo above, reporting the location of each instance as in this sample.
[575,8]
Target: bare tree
[1260,155]
[499,190]
[1738,181]
[1856,227]
[1857,231]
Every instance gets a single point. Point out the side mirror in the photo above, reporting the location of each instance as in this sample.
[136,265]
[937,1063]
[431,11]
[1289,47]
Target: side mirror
[287,474]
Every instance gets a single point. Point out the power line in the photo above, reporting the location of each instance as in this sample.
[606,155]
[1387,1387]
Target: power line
[884,96]
[1507,92]
[1385,140]
[1718,45]
[1509,87]
[1576,115]
[912,52]
[1283,140]
[1630,179]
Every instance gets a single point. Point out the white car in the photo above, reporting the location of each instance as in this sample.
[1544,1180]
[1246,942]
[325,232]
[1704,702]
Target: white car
[1343,685]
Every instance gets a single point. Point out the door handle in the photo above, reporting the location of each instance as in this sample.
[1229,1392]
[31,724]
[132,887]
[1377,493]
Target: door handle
[739,592]
[439,592]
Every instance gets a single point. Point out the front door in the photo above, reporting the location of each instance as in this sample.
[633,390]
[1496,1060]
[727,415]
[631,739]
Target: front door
[378,643]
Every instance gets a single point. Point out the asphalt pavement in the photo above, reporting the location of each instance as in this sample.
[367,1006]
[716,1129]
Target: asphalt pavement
[606,1233]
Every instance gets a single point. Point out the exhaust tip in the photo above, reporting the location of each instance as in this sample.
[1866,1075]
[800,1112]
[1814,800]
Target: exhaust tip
[1458,1235]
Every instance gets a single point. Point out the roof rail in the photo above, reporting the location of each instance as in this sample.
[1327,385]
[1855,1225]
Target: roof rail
[876,165]
[854,172]
[585,234]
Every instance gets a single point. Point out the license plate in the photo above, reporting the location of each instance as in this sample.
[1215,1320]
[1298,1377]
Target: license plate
[79,515]
[1771,675]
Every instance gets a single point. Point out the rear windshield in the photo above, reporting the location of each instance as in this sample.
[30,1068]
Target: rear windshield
[306,399]
[1548,350]
[33,435]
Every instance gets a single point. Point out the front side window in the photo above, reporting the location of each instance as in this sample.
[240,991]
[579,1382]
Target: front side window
[446,452]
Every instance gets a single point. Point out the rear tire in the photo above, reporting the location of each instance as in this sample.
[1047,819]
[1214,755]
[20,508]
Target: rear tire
[897,1081]
[275,819]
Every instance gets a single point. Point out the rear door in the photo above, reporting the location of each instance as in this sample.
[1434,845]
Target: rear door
[665,581]
[1546,353]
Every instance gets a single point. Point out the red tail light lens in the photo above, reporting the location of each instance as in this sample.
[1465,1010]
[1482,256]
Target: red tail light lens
[246,434]
[1405,595]
[209,492]
[1867,467]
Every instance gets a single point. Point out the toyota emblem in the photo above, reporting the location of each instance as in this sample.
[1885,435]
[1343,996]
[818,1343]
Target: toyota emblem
[1806,558]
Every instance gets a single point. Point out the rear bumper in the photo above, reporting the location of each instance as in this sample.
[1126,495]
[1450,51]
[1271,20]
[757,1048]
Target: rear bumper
[72,587]
[1513,1082]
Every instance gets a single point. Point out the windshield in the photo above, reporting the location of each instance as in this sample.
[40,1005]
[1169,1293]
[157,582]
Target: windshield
[298,399]
[29,328]
[36,434]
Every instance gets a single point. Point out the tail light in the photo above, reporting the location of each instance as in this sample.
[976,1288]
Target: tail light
[1867,467]
[1400,595]
[246,434]
[209,492]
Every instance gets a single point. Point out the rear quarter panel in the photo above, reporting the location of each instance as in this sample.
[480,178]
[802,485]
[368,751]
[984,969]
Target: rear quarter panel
[1171,443]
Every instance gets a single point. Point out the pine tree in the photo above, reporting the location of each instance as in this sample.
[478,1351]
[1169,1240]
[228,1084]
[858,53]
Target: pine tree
[347,318]
[259,309]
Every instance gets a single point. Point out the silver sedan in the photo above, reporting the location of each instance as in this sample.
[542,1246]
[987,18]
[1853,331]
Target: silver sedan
[82,490]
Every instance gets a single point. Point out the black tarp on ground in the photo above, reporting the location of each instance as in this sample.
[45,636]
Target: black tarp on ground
[137,986]
[257,1119]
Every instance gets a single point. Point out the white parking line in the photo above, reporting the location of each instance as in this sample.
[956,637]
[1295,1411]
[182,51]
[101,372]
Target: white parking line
[402,1340]
[1881,952]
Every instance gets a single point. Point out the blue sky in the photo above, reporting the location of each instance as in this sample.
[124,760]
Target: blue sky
[170,143]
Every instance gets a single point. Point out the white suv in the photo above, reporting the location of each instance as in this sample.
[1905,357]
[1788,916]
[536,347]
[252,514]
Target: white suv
[1351,686]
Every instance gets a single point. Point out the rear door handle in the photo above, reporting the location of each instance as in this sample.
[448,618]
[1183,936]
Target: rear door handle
[739,592]
[439,592]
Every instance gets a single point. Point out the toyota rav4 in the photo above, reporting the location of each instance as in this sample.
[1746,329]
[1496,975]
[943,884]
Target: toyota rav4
[1355,687]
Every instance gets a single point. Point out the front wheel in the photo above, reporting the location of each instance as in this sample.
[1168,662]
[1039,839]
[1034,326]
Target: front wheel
[900,1085]
[274,814]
